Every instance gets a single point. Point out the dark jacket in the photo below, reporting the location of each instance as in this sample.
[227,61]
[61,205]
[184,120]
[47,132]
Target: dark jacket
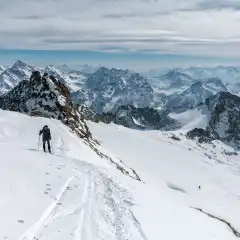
[46,133]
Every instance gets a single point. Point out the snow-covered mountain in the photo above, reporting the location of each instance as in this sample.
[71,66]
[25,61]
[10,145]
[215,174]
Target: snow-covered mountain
[223,112]
[197,93]
[172,81]
[108,89]
[10,77]
[178,79]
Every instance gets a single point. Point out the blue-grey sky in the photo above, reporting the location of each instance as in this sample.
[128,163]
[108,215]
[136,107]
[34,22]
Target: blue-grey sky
[121,32]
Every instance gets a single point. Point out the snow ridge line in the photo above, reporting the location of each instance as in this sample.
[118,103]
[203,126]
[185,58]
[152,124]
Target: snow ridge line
[37,227]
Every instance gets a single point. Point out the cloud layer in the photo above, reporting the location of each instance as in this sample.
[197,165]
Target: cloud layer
[198,27]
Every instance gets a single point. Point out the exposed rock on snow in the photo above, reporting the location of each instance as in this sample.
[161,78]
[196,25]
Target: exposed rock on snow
[201,134]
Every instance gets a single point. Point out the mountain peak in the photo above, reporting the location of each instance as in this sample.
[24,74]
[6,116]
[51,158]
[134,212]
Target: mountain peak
[19,64]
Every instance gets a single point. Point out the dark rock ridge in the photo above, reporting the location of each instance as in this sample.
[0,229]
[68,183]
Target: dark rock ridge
[44,96]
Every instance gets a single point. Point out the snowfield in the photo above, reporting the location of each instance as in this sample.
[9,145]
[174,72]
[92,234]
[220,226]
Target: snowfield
[76,194]
[172,172]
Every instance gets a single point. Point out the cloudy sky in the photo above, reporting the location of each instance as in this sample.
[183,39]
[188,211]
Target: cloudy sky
[127,31]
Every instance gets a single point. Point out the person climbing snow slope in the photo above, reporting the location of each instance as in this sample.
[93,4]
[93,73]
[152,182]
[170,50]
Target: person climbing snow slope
[46,137]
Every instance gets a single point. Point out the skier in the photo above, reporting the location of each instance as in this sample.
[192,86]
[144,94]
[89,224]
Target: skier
[46,137]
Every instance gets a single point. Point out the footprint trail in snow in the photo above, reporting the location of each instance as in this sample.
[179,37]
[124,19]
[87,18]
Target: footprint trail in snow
[90,206]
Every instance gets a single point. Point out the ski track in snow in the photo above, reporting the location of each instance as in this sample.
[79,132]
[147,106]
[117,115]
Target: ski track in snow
[89,206]
[37,228]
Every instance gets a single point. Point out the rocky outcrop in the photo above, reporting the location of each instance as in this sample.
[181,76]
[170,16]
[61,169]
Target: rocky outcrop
[46,97]
[201,135]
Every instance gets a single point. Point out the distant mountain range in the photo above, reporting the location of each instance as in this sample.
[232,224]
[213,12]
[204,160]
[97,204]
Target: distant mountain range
[130,99]
[228,74]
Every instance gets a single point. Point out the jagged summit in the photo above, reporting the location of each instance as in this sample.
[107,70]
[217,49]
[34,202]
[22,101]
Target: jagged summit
[45,96]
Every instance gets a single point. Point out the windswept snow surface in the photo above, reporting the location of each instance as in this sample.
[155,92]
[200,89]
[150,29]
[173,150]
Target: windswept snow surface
[75,194]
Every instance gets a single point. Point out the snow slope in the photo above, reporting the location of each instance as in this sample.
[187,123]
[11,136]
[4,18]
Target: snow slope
[173,171]
[75,194]
[66,195]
